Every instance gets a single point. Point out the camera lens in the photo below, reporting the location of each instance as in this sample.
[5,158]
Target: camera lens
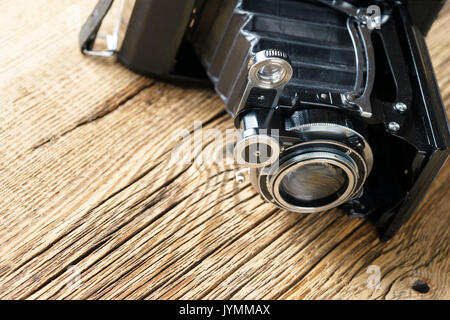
[312,177]
[323,172]
[313,181]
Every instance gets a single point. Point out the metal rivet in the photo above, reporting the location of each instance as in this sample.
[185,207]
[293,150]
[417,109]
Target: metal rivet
[393,126]
[350,96]
[400,107]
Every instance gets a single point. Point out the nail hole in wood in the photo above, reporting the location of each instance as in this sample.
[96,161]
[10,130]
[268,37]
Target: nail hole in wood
[420,286]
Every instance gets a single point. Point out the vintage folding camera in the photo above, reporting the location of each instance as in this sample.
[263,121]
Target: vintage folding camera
[336,101]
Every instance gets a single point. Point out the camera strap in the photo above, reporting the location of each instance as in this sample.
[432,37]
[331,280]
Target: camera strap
[89,31]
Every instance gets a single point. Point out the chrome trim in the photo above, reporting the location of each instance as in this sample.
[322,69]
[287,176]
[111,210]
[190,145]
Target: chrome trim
[365,26]
[256,139]
[115,38]
[338,132]
[259,60]
[346,164]
[263,179]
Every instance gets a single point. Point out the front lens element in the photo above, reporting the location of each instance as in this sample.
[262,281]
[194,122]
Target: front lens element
[313,181]
[271,73]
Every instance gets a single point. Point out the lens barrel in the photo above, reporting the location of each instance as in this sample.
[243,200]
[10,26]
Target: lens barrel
[328,168]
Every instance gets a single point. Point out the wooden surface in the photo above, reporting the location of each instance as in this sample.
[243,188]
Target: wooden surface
[91,207]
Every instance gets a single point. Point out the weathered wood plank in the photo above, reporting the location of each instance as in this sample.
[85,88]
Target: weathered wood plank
[87,182]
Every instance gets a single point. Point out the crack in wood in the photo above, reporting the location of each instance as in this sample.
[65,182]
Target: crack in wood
[145,231]
[146,207]
[107,109]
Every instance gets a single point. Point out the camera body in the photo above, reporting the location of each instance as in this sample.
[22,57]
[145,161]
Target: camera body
[336,101]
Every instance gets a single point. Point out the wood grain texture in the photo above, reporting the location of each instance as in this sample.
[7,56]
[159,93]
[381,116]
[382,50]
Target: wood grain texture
[86,181]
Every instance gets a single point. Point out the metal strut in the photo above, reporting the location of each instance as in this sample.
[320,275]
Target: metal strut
[360,26]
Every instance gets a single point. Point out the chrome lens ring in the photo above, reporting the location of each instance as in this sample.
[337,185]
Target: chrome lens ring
[258,150]
[344,163]
[337,133]
[270,69]
[267,180]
